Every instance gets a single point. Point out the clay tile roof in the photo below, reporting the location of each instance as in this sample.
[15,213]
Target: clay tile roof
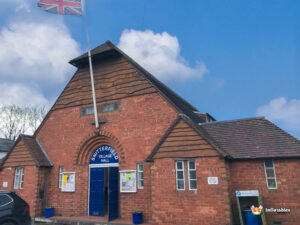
[5,144]
[108,49]
[252,138]
[36,151]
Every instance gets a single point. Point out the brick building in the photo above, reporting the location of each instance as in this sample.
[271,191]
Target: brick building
[154,152]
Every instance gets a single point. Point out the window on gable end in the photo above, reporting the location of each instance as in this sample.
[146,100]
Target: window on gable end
[180,183]
[19,178]
[192,175]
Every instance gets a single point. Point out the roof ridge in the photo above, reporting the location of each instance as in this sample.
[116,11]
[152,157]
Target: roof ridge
[235,120]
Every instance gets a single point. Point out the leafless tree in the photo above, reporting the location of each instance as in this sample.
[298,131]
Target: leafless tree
[16,120]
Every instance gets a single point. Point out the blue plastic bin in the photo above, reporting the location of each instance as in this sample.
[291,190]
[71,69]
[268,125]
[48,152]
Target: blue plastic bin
[137,218]
[48,212]
[250,218]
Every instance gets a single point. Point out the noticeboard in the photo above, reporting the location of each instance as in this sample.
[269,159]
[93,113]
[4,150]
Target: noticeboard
[68,182]
[128,181]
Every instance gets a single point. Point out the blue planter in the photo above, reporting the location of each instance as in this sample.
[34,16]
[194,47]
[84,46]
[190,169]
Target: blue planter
[137,218]
[251,219]
[48,212]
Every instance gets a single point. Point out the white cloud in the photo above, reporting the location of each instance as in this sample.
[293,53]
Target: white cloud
[19,94]
[37,50]
[283,111]
[159,54]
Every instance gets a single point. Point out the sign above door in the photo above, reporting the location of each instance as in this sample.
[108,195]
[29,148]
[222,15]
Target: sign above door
[104,154]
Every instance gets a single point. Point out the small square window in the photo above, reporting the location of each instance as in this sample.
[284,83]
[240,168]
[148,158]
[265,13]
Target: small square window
[87,111]
[109,107]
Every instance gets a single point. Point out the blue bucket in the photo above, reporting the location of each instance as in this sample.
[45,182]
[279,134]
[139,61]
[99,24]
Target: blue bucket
[48,212]
[250,218]
[137,218]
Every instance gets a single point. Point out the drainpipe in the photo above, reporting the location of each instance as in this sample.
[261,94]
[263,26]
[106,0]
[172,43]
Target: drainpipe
[44,202]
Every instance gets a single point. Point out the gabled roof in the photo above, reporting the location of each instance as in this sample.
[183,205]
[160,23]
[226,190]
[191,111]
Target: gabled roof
[192,125]
[35,150]
[110,50]
[252,138]
[5,144]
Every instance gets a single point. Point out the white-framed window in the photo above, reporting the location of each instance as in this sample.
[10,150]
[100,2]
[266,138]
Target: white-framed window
[140,173]
[270,174]
[192,175]
[60,177]
[180,183]
[19,178]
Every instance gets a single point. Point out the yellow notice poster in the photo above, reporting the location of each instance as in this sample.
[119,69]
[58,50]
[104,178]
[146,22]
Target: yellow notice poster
[68,182]
[128,181]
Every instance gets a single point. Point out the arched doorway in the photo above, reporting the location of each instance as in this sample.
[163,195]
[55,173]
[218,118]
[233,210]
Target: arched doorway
[104,182]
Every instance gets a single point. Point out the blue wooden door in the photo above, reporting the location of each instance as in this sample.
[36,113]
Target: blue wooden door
[96,205]
[113,193]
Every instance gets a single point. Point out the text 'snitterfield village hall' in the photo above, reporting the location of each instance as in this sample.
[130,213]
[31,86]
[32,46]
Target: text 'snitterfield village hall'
[154,152]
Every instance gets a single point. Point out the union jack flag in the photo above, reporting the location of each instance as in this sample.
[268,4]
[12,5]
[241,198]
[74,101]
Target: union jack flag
[67,7]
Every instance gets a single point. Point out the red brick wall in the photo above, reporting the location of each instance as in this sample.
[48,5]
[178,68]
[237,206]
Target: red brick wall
[138,126]
[250,175]
[29,192]
[209,205]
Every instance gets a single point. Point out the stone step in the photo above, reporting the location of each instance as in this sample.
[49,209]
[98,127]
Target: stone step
[52,221]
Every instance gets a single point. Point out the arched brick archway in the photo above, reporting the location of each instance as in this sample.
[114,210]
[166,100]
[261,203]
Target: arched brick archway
[91,142]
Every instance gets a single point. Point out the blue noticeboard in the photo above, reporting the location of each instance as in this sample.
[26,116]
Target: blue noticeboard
[104,154]
[96,204]
[113,193]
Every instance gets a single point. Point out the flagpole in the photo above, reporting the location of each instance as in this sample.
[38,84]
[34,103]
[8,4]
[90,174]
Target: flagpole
[91,66]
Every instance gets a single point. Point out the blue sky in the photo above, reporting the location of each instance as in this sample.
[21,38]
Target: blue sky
[233,59]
